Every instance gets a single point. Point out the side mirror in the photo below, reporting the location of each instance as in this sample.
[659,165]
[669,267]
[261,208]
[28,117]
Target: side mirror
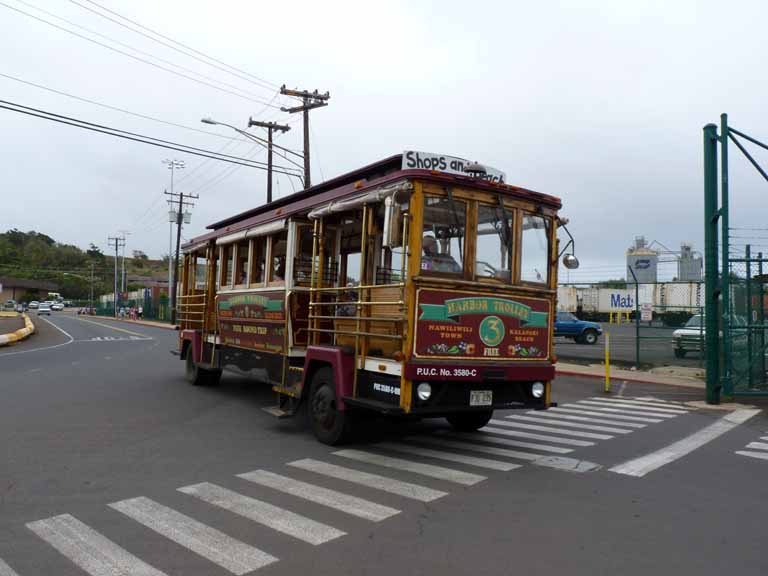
[391,232]
[570,261]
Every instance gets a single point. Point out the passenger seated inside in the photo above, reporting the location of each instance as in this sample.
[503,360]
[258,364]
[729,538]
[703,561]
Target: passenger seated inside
[433,260]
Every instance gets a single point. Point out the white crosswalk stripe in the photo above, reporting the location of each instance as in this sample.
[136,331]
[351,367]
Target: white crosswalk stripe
[480,436]
[6,570]
[92,552]
[558,416]
[446,443]
[763,437]
[579,425]
[577,409]
[659,404]
[601,408]
[574,433]
[447,474]
[521,434]
[617,404]
[759,455]
[449,456]
[271,516]
[758,445]
[319,495]
[383,483]
[227,552]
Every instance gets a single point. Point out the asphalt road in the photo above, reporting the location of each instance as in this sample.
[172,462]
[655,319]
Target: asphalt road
[96,413]
[655,347]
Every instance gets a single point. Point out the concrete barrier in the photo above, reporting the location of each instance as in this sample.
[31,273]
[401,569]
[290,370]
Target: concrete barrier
[19,334]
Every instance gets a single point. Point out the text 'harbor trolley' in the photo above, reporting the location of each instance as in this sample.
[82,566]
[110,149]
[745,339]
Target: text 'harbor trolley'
[421,285]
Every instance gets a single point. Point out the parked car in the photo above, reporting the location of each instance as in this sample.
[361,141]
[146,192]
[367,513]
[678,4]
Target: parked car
[692,336]
[583,332]
[44,309]
[10,305]
[57,306]
[34,304]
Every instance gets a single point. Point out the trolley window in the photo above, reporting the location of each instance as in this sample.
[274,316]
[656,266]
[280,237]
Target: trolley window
[277,259]
[534,257]
[494,243]
[443,234]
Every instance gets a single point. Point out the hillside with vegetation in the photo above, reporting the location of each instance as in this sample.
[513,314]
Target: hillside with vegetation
[36,256]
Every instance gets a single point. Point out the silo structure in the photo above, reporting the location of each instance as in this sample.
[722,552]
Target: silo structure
[643,261]
[689,266]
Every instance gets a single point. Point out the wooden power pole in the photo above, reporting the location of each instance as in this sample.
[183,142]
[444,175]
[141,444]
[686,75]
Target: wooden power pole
[270,126]
[310,100]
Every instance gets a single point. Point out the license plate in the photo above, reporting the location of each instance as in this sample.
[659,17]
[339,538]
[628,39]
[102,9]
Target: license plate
[480,397]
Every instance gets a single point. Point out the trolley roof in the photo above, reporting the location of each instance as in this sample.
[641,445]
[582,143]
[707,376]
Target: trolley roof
[363,179]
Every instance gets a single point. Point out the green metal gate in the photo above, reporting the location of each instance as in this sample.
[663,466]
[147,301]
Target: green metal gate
[735,294]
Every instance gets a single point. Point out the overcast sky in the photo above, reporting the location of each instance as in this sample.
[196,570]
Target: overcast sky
[600,103]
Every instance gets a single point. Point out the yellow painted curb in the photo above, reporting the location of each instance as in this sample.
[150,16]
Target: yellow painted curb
[19,334]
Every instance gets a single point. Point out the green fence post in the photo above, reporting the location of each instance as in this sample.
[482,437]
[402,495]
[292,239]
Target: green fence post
[748,258]
[710,264]
[725,278]
[761,312]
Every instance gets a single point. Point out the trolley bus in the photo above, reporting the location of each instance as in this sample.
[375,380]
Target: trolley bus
[418,286]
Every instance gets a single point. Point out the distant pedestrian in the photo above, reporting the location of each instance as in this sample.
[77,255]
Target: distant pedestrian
[122,312]
[141,312]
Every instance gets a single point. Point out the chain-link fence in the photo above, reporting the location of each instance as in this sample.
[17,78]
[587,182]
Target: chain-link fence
[138,308]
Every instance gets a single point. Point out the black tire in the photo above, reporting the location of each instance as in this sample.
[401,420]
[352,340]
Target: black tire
[469,421]
[329,425]
[589,337]
[680,353]
[198,376]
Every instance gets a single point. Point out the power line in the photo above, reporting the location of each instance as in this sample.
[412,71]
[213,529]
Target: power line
[112,48]
[254,79]
[136,137]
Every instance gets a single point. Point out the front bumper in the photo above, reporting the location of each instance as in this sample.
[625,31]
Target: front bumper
[452,397]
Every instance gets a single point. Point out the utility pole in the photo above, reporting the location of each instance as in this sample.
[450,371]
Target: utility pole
[180,217]
[90,305]
[270,126]
[123,284]
[172,165]
[310,100]
[118,243]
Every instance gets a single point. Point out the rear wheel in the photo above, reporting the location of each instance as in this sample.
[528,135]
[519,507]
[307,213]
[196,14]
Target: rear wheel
[198,376]
[329,424]
[469,421]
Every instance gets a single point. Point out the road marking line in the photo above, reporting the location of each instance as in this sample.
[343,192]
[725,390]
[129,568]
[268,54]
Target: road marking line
[760,455]
[567,464]
[632,410]
[323,496]
[227,552]
[758,445]
[447,474]
[449,456]
[558,416]
[574,433]
[444,442]
[383,483]
[626,404]
[71,339]
[577,410]
[634,402]
[491,439]
[6,570]
[519,434]
[570,424]
[88,549]
[271,516]
[764,438]
[641,466]
[620,411]
[111,327]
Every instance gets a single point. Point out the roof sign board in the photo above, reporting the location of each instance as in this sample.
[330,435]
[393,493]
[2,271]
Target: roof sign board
[413,160]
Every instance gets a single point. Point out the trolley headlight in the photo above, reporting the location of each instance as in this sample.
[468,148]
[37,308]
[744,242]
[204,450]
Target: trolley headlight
[537,389]
[424,391]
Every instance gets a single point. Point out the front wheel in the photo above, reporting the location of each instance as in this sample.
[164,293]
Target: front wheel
[469,421]
[589,337]
[329,424]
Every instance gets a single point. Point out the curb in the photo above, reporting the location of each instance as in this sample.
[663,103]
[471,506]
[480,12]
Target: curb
[19,334]
[140,322]
[630,379]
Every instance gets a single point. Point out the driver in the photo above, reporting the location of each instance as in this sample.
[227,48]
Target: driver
[432,260]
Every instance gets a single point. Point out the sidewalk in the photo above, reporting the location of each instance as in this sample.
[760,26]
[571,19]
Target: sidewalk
[668,375]
[152,323]
[18,334]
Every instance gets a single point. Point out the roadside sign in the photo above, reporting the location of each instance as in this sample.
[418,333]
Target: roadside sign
[646,312]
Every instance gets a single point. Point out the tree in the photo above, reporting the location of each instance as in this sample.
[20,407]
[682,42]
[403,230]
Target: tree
[139,255]
[95,253]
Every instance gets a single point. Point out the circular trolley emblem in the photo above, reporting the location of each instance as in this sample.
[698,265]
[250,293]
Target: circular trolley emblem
[491,331]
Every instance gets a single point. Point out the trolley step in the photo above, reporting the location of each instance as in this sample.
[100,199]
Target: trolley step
[278,412]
